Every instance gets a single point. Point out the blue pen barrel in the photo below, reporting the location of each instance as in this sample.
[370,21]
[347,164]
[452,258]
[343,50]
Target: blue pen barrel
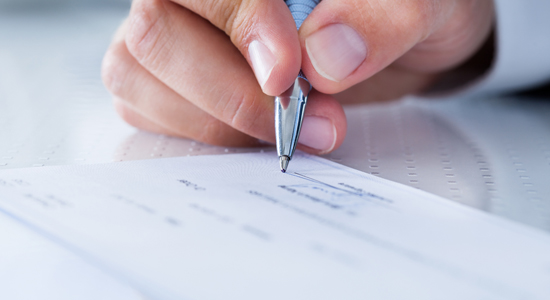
[300,9]
[291,105]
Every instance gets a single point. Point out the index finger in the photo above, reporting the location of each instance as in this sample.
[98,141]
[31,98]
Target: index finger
[263,31]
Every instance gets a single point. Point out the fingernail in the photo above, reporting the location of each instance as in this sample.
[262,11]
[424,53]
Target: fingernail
[336,51]
[262,59]
[318,133]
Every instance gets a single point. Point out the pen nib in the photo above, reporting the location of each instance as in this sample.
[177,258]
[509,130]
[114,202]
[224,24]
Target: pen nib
[284,162]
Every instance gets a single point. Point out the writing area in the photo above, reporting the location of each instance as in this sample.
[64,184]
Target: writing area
[78,190]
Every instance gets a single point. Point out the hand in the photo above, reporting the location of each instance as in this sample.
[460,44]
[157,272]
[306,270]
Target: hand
[203,69]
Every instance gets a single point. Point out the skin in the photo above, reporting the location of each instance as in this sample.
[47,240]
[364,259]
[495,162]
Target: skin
[183,67]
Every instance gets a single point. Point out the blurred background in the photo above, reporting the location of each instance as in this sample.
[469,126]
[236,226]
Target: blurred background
[41,4]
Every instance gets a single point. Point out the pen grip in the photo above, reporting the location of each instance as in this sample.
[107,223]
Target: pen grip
[300,9]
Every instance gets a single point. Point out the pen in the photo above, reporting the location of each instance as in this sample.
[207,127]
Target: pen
[290,106]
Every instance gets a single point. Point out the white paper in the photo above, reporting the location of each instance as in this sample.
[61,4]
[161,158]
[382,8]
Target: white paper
[234,227]
[33,267]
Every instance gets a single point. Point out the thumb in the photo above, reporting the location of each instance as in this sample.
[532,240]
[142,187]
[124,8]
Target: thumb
[345,42]
[265,33]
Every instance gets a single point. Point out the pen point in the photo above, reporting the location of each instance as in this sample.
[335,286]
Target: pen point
[283,160]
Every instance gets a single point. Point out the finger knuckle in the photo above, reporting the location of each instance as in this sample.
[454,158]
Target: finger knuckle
[145,27]
[241,26]
[220,13]
[234,18]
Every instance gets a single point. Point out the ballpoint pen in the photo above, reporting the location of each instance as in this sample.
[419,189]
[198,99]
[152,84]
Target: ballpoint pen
[290,106]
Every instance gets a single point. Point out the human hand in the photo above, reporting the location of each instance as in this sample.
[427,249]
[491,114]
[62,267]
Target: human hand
[203,69]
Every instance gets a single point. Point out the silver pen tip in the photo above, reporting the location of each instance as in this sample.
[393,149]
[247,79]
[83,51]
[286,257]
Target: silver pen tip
[283,160]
